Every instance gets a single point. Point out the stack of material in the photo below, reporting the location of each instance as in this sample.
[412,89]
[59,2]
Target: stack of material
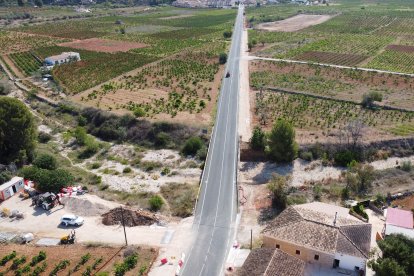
[83,207]
[131,217]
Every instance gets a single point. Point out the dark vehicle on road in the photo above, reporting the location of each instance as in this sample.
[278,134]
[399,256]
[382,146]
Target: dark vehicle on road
[228,75]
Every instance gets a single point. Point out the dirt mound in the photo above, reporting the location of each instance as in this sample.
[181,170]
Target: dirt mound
[83,207]
[131,217]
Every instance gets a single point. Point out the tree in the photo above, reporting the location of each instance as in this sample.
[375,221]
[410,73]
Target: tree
[281,142]
[48,180]
[192,145]
[222,58]
[38,3]
[250,46]
[20,3]
[278,187]
[81,136]
[227,34]
[369,99]
[17,132]
[258,140]
[397,256]
[45,161]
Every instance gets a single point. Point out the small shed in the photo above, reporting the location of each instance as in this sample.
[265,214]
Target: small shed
[8,189]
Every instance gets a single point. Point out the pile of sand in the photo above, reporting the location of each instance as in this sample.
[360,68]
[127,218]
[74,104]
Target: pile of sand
[131,217]
[83,207]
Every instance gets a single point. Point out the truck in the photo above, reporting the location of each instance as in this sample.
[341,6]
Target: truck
[47,200]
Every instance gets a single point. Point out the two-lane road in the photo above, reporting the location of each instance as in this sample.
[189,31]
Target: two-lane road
[217,204]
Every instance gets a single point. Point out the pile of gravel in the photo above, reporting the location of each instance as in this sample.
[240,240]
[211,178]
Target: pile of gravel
[83,207]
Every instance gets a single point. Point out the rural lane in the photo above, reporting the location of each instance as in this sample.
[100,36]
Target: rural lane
[215,215]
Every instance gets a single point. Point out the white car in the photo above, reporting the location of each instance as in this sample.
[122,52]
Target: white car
[71,220]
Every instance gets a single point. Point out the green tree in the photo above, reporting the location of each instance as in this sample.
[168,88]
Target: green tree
[156,202]
[369,99]
[4,88]
[17,132]
[227,34]
[81,136]
[38,3]
[20,3]
[281,142]
[45,161]
[192,145]
[278,188]
[48,180]
[397,256]
[222,58]
[258,140]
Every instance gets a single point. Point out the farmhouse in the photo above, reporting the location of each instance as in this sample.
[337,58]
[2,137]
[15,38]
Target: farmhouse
[11,187]
[62,58]
[321,234]
[398,222]
[271,262]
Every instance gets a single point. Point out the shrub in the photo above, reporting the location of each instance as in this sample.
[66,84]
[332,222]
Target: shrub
[5,176]
[406,166]
[44,137]
[258,140]
[45,161]
[139,112]
[306,155]
[192,145]
[38,258]
[156,202]
[7,258]
[369,99]
[96,165]
[18,262]
[165,171]
[227,34]
[222,58]
[162,139]
[4,88]
[278,188]
[127,170]
[345,157]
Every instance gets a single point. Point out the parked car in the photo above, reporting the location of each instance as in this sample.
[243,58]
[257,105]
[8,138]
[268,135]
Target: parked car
[71,220]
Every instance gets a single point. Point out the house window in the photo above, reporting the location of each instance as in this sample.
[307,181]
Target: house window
[316,257]
[297,252]
[278,246]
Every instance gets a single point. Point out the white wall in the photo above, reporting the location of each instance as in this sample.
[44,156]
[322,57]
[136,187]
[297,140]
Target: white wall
[350,262]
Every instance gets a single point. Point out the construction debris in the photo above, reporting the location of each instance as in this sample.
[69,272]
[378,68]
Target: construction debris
[131,217]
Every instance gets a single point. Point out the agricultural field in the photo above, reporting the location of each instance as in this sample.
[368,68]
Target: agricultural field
[75,259]
[178,89]
[26,62]
[324,117]
[342,84]
[360,33]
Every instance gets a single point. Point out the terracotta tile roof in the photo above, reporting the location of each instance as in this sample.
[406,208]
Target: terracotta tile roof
[271,262]
[317,230]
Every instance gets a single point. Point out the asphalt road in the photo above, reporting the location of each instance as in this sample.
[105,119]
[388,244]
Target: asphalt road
[217,204]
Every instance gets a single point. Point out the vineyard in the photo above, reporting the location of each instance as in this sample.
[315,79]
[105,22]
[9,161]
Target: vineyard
[374,37]
[77,260]
[26,62]
[184,84]
[309,113]
[344,84]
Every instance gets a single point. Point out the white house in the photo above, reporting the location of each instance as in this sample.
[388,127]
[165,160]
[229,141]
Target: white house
[8,189]
[321,234]
[398,222]
[64,57]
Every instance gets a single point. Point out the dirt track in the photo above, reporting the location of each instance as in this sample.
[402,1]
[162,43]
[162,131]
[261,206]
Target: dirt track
[294,23]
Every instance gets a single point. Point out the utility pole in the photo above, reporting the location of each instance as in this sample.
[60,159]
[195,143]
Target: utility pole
[123,224]
[251,239]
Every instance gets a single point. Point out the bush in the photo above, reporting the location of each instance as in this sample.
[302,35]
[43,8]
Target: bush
[127,170]
[44,137]
[406,166]
[165,171]
[38,258]
[5,176]
[4,88]
[7,258]
[162,140]
[222,58]
[369,99]
[343,158]
[192,145]
[306,155]
[45,161]
[156,202]
[139,112]
[258,140]
[227,34]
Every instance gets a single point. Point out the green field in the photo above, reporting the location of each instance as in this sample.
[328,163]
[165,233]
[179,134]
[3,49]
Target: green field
[358,34]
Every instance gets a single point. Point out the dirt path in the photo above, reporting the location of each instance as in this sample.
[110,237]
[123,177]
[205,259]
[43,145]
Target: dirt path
[245,130]
[13,67]
[295,23]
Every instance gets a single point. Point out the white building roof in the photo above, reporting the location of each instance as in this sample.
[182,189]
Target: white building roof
[392,229]
[12,181]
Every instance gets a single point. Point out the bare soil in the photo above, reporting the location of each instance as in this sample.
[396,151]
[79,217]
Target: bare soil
[332,58]
[294,23]
[131,217]
[103,45]
[405,203]
[73,253]
[401,48]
